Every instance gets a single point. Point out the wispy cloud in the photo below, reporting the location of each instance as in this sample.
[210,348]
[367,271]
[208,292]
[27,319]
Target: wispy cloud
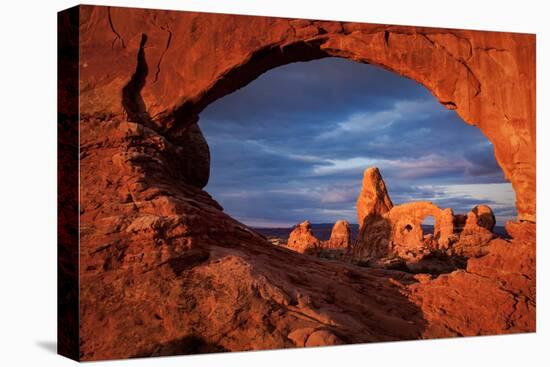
[265,148]
[403,167]
[373,122]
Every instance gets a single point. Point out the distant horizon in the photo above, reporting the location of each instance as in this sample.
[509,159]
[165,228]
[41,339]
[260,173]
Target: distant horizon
[327,223]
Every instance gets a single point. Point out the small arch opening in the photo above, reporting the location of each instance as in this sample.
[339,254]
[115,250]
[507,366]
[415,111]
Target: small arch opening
[428,226]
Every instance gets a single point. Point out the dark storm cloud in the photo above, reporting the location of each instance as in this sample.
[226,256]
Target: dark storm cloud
[293,144]
[295,90]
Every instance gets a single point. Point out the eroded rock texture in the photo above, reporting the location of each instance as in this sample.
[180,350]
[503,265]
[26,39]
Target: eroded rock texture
[475,232]
[302,240]
[340,236]
[389,231]
[373,201]
[463,303]
[397,234]
[164,270]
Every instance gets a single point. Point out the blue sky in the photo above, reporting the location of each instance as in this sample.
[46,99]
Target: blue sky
[292,145]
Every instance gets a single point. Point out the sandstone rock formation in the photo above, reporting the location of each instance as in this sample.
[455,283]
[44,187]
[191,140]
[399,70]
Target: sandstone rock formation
[340,237]
[310,337]
[399,233]
[480,218]
[459,221]
[163,270]
[389,231]
[373,201]
[396,238]
[302,240]
[474,233]
[407,234]
[510,264]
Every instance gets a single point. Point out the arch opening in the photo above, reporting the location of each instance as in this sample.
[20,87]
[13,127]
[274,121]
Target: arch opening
[400,54]
[244,139]
[428,228]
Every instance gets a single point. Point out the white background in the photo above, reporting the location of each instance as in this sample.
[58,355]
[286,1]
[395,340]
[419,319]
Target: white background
[28,183]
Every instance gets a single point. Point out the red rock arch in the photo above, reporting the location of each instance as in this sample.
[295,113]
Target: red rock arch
[191,59]
[148,233]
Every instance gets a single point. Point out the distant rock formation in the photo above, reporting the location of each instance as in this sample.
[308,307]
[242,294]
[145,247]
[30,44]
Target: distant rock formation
[407,235]
[340,237]
[459,221]
[480,218]
[399,233]
[393,234]
[474,232]
[388,231]
[373,199]
[302,240]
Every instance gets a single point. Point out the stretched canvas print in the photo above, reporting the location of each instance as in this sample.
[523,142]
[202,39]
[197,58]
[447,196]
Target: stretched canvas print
[232,183]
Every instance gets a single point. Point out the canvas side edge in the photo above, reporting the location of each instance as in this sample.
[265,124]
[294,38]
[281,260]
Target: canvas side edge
[68,180]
